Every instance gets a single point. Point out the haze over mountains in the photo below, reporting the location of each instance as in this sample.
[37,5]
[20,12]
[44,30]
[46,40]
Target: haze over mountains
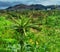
[27,4]
[7,3]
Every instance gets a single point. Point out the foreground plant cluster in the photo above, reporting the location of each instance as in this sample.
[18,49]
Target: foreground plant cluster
[33,31]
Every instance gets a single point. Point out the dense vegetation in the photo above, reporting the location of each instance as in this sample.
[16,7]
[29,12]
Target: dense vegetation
[30,31]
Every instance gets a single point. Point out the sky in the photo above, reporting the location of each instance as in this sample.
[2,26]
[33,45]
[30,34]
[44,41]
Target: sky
[43,2]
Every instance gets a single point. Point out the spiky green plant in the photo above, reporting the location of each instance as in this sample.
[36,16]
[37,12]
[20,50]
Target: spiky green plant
[21,25]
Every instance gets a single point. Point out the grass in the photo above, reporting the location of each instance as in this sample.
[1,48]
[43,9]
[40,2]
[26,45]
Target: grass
[36,31]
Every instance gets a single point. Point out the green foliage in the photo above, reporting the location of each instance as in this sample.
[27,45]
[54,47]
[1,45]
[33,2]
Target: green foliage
[33,31]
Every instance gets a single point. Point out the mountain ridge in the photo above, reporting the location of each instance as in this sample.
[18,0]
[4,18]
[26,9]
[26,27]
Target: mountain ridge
[33,7]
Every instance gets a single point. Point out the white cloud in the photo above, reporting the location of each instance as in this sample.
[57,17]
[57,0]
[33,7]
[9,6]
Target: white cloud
[51,2]
[44,2]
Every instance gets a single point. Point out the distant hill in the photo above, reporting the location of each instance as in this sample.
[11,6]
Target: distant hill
[33,7]
[53,7]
